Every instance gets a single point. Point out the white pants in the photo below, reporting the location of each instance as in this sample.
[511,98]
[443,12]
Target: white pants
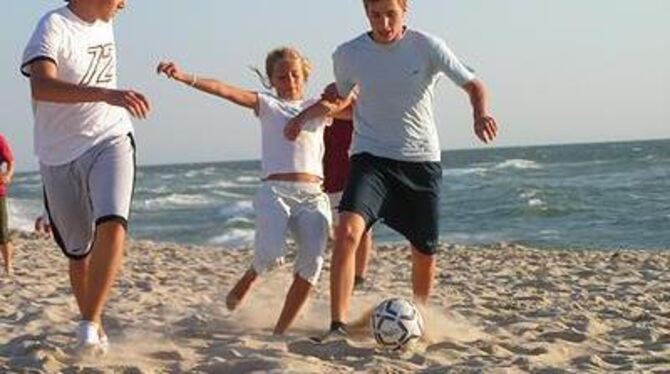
[299,208]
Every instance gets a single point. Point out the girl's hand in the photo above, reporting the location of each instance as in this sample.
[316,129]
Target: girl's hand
[292,129]
[42,226]
[171,70]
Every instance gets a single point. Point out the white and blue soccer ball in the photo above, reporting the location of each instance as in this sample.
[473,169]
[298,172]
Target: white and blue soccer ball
[396,323]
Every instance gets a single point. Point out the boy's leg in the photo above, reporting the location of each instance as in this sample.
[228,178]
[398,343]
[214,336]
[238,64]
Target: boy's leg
[67,204]
[110,179]
[363,257]
[361,204]
[105,262]
[343,264]
[415,214]
[79,270]
[295,299]
[423,273]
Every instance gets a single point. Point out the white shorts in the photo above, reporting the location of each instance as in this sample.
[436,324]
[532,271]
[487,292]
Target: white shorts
[299,208]
[95,188]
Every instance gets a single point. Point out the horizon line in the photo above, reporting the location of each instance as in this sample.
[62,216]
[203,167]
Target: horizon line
[475,149]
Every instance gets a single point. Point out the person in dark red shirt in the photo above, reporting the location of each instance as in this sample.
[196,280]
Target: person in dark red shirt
[6,175]
[336,165]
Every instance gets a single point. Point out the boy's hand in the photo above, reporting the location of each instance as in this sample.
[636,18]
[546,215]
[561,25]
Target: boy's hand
[486,128]
[5,180]
[292,129]
[331,94]
[134,102]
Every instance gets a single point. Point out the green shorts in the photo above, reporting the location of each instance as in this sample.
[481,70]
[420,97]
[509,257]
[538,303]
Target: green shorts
[4,222]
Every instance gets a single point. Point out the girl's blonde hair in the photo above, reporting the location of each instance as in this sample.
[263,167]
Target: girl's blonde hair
[279,54]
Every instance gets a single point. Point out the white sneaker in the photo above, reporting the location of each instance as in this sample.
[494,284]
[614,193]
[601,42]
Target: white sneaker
[104,341]
[88,340]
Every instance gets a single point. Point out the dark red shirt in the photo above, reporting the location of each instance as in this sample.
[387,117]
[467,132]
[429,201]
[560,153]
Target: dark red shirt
[337,139]
[5,156]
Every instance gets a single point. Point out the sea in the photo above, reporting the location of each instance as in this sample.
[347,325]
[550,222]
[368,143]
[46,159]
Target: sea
[579,196]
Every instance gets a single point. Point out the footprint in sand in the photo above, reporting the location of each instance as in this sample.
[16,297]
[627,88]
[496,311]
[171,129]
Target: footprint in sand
[251,365]
[526,351]
[337,350]
[167,356]
[567,335]
[446,346]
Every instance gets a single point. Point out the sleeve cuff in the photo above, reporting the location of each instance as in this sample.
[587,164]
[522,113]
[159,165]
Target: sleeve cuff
[24,67]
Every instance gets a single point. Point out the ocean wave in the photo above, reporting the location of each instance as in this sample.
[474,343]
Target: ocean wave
[249,179]
[203,172]
[174,200]
[464,171]
[240,221]
[529,194]
[226,184]
[28,178]
[228,194]
[22,213]
[235,238]
[238,208]
[152,190]
[473,238]
[518,164]
[537,203]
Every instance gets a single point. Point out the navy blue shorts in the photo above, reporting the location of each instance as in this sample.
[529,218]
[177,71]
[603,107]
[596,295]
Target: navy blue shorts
[404,195]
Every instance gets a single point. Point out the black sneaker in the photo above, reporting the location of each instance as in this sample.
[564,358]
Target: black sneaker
[359,282]
[337,331]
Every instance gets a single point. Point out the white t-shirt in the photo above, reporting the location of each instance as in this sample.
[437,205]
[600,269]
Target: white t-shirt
[279,155]
[84,54]
[393,116]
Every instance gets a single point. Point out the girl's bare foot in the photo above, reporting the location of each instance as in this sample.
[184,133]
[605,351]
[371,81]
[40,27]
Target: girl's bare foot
[241,289]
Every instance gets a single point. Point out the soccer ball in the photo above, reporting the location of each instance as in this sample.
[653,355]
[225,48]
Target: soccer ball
[396,323]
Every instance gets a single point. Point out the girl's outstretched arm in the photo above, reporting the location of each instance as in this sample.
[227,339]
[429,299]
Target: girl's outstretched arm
[247,99]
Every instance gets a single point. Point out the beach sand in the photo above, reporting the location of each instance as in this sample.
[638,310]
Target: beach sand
[503,308]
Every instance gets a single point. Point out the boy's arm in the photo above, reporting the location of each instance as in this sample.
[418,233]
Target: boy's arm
[346,114]
[330,105]
[247,99]
[485,125]
[46,86]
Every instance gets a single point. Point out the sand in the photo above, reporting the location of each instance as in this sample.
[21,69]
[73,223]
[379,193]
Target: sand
[503,308]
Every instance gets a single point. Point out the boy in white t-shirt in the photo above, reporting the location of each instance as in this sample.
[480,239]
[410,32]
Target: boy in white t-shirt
[396,173]
[84,142]
[290,198]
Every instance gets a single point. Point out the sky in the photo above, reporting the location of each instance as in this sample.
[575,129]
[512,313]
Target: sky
[558,71]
